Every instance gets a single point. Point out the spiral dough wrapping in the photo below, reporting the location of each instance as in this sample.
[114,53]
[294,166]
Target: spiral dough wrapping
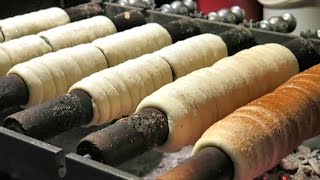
[21,50]
[52,74]
[32,46]
[117,91]
[79,32]
[32,23]
[182,57]
[257,136]
[196,101]
[134,43]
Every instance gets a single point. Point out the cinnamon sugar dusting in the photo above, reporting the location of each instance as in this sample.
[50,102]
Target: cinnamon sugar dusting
[272,126]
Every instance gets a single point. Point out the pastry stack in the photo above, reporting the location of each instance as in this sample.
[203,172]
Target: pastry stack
[25,48]
[117,91]
[54,73]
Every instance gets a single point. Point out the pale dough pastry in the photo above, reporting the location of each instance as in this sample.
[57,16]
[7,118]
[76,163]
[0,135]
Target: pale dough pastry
[5,62]
[82,54]
[28,47]
[53,74]
[257,136]
[133,43]
[21,50]
[1,36]
[196,101]
[33,22]
[202,51]
[118,90]
[78,32]
[60,70]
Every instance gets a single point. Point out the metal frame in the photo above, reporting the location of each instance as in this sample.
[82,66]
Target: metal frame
[206,26]
[28,158]
[79,167]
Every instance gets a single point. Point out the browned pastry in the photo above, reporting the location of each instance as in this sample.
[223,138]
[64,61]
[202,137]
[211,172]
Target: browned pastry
[194,102]
[257,136]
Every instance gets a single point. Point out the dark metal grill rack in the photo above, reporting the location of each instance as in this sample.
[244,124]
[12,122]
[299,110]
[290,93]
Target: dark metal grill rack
[27,158]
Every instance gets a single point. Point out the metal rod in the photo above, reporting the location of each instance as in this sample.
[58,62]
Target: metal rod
[103,147]
[182,29]
[53,117]
[17,93]
[209,163]
[126,138]
[237,39]
[84,11]
[44,121]
[8,111]
[305,53]
[128,20]
[13,91]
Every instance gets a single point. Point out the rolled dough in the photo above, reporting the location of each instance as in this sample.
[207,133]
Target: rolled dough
[196,101]
[79,32]
[33,22]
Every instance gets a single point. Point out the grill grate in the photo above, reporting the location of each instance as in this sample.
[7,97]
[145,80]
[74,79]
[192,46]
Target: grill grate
[28,158]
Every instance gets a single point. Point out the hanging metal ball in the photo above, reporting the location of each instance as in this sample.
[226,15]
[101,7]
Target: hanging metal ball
[191,5]
[139,3]
[166,8]
[227,16]
[123,2]
[291,21]
[239,13]
[265,25]
[179,8]
[278,24]
[213,16]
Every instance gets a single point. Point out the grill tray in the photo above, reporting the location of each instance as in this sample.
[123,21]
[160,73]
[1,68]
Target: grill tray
[23,157]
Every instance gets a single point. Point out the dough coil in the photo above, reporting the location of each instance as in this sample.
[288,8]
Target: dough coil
[117,91]
[19,50]
[139,40]
[196,101]
[84,31]
[32,23]
[257,136]
[52,74]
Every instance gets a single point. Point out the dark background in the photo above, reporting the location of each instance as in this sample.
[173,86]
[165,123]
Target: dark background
[10,8]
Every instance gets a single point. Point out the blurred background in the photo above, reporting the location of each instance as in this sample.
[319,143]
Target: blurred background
[306,12]
[15,7]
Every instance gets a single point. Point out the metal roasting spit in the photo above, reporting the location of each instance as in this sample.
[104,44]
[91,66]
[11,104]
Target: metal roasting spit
[23,157]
